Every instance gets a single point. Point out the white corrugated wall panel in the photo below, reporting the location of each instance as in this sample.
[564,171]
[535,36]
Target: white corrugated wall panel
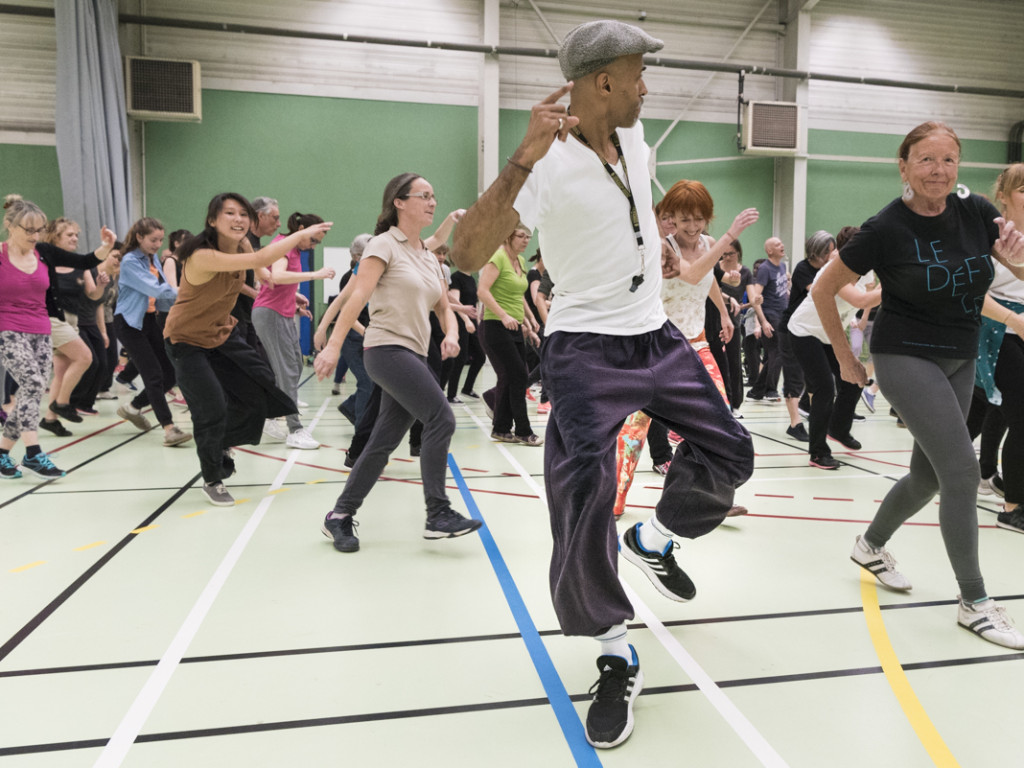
[28,84]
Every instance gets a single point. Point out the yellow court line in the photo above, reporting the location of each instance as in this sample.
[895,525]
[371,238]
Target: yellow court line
[89,546]
[911,705]
[26,567]
[144,528]
[196,514]
[314,482]
[277,490]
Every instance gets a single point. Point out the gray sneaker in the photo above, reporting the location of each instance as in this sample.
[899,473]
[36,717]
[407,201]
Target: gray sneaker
[448,524]
[175,436]
[136,418]
[218,494]
[342,530]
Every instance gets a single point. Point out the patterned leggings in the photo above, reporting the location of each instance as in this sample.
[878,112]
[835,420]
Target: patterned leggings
[28,357]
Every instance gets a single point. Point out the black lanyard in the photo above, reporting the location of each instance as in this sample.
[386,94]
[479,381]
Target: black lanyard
[626,190]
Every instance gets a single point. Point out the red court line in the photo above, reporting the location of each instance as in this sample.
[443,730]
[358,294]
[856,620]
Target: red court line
[86,437]
[774,496]
[826,498]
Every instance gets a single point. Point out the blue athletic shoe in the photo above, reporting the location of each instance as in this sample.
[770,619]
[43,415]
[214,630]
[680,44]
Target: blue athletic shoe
[8,470]
[40,465]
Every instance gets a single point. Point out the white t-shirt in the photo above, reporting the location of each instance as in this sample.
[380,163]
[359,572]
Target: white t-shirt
[805,320]
[587,238]
[1006,286]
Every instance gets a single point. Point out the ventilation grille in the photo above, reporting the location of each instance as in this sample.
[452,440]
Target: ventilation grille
[772,128]
[163,89]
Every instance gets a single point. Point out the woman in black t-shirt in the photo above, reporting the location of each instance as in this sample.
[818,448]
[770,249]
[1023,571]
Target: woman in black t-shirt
[932,251]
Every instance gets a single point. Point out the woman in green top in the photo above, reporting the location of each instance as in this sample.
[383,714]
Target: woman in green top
[507,319]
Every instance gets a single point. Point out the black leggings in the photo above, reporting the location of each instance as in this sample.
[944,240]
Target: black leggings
[146,348]
[830,413]
[506,351]
[1009,376]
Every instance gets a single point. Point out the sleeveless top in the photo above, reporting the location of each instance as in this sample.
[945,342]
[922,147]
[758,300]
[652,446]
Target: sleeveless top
[684,303]
[202,314]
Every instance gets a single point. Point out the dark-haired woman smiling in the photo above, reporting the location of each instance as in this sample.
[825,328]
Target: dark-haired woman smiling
[229,388]
[403,282]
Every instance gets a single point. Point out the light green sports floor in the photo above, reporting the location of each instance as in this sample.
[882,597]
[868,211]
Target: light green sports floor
[140,626]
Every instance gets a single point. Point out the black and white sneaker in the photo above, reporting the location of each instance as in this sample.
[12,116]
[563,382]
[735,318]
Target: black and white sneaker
[1012,520]
[447,524]
[991,486]
[610,717]
[661,568]
[880,563]
[342,530]
[40,465]
[8,469]
[989,621]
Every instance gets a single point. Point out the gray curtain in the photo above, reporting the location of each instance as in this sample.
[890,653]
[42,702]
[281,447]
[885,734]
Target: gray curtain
[92,126]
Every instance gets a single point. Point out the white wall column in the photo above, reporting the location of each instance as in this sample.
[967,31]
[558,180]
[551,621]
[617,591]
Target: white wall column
[487,111]
[790,221]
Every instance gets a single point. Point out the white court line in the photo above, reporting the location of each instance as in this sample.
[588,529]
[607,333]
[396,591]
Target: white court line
[131,724]
[729,712]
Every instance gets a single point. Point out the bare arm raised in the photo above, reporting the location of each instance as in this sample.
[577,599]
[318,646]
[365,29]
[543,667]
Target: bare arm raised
[490,219]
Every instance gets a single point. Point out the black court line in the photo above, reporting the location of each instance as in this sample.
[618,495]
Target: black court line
[46,483]
[238,730]
[391,645]
[33,624]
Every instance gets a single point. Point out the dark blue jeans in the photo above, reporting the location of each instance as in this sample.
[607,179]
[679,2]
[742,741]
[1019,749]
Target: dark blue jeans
[595,382]
[352,355]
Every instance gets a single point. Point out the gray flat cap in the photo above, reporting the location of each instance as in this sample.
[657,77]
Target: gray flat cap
[596,44]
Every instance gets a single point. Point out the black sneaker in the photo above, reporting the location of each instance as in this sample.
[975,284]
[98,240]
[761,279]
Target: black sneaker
[847,440]
[348,413]
[455,401]
[41,466]
[447,524]
[1011,521]
[798,433]
[55,426]
[824,462]
[414,450]
[67,410]
[8,469]
[342,530]
[667,577]
[610,717]
[474,395]
[350,459]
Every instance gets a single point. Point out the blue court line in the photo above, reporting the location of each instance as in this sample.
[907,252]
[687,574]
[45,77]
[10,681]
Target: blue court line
[582,751]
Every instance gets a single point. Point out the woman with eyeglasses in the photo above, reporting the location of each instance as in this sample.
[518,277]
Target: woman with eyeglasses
[507,319]
[229,388]
[273,317]
[27,301]
[933,251]
[403,283]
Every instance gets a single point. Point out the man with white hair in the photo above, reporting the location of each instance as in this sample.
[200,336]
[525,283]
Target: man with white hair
[580,178]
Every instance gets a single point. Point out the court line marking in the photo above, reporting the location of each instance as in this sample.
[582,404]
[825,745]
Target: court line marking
[762,750]
[565,713]
[897,678]
[134,719]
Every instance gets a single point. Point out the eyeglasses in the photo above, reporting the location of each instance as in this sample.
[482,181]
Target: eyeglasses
[428,196]
[33,231]
[730,253]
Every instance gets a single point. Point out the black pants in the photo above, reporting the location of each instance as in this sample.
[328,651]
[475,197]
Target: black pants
[506,351]
[751,358]
[657,442]
[1008,377]
[792,370]
[230,392]
[109,360]
[146,348]
[830,412]
[768,379]
[475,361]
[84,393]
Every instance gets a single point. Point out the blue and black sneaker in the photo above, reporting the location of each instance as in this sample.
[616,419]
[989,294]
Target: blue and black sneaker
[8,470]
[41,466]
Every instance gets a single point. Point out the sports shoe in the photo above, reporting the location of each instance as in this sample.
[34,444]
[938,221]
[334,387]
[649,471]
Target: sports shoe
[342,530]
[823,462]
[543,408]
[350,460]
[988,486]
[106,395]
[302,404]
[662,469]
[798,432]
[55,426]
[610,717]
[532,439]
[135,417]
[455,400]
[674,438]
[848,441]
[447,524]
[218,494]
[127,386]
[1012,520]
[179,401]
[804,413]
[302,440]
[773,397]
[667,577]
[503,437]
[67,410]
[736,413]
[8,469]
[989,621]
[175,436]
[880,563]
[86,411]
[737,510]
[274,429]
[530,395]
[41,466]
[754,398]
[474,395]
[335,390]
[414,450]
[348,413]
[869,400]
[858,417]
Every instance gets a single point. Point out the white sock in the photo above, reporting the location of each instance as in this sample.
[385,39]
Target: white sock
[613,643]
[653,536]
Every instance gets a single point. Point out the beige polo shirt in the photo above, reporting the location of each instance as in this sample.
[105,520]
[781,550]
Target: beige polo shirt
[405,294]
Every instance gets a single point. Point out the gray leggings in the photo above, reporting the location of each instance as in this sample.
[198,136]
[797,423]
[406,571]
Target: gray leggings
[932,396]
[410,393]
